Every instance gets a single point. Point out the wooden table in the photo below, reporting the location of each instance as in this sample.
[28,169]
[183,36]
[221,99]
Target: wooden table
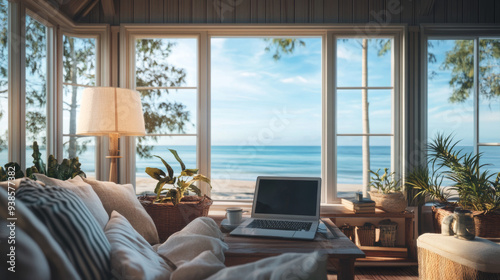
[341,251]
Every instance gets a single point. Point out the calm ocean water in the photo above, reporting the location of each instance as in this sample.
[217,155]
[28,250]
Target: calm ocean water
[248,162]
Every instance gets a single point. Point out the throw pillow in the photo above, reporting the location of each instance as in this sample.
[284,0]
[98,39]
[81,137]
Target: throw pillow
[83,191]
[72,226]
[123,199]
[132,257]
[60,266]
[15,183]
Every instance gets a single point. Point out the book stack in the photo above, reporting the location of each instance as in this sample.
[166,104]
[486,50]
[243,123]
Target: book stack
[365,206]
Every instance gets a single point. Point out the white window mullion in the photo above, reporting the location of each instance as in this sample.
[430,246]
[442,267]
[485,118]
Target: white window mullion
[476,96]
[329,131]
[203,147]
[17,87]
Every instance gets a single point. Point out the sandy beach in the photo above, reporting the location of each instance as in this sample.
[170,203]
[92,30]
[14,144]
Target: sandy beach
[234,189]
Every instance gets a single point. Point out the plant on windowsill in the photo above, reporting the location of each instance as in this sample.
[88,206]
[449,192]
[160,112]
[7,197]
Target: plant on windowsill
[387,192]
[172,207]
[67,169]
[477,189]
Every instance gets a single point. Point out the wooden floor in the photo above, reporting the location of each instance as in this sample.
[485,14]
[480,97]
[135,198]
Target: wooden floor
[383,273]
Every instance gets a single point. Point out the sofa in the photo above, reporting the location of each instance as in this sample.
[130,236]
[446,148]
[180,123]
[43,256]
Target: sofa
[87,229]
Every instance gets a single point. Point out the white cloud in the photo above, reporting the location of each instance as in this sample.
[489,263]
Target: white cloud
[249,74]
[294,80]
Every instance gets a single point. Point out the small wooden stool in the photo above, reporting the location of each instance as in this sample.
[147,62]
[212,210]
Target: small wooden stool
[443,257]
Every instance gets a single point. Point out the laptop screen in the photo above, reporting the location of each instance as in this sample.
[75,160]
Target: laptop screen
[287,197]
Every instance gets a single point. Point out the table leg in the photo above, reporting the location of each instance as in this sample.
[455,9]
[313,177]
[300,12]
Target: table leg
[345,268]
[409,238]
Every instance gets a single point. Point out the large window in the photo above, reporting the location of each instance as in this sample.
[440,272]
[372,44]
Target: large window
[463,94]
[266,112]
[365,111]
[166,75]
[4,82]
[36,87]
[79,71]
[241,102]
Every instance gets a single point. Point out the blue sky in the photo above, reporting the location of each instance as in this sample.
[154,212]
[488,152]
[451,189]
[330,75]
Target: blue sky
[256,100]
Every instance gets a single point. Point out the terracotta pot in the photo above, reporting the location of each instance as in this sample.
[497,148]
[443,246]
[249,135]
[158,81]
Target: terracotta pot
[389,202]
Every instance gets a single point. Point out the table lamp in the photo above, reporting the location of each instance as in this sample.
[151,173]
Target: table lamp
[114,112]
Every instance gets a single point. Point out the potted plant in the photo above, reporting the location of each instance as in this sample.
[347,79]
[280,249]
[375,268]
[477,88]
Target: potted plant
[172,208]
[387,194]
[472,187]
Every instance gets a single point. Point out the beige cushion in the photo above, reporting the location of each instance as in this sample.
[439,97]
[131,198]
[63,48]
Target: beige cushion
[480,254]
[15,183]
[122,198]
[60,266]
[82,190]
[131,255]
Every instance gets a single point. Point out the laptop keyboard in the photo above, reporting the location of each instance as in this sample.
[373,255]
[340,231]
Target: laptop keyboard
[280,225]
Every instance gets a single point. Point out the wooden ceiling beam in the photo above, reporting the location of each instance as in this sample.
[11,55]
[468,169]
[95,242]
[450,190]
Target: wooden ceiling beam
[108,8]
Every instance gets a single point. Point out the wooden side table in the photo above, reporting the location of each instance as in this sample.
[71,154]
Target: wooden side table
[342,212]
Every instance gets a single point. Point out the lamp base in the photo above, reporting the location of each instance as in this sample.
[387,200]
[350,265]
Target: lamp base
[114,156]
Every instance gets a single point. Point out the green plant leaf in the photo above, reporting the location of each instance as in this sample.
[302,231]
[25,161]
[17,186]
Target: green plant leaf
[174,152]
[169,168]
[189,172]
[155,173]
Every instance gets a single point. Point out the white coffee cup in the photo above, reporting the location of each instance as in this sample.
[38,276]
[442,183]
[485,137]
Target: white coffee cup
[234,215]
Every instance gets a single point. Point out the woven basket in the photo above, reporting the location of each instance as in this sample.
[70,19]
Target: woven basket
[389,202]
[388,235]
[486,225]
[365,237]
[348,231]
[169,218]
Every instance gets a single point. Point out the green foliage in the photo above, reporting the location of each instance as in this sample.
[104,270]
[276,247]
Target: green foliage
[426,183]
[461,62]
[477,188]
[69,168]
[385,183]
[9,167]
[282,46]
[180,185]
[161,115]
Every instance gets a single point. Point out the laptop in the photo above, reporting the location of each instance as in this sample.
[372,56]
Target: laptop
[284,207]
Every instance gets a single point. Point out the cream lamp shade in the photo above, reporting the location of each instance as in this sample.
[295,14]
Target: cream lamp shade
[109,110]
[113,112]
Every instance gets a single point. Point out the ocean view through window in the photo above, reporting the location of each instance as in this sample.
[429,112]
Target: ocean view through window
[266,111]
[464,101]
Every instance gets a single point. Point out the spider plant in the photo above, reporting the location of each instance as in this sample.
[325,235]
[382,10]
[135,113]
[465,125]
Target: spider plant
[477,188]
[384,183]
[180,185]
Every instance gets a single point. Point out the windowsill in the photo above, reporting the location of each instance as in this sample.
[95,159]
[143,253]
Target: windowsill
[220,205]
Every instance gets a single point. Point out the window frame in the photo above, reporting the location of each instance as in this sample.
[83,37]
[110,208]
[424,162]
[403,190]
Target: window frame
[56,23]
[454,32]
[328,33]
[397,100]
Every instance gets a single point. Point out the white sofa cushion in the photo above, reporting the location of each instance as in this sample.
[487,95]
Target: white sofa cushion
[286,266]
[122,198]
[132,257]
[83,191]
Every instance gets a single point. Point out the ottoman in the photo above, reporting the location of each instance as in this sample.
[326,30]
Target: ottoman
[443,257]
